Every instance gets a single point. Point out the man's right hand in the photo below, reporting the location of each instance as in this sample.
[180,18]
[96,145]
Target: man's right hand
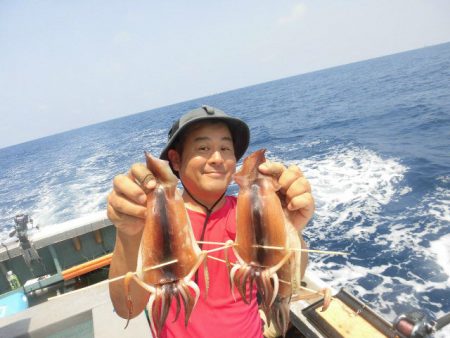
[127,201]
[127,205]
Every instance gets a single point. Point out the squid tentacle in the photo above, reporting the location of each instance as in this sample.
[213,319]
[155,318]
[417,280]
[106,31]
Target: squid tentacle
[268,289]
[126,283]
[127,280]
[326,298]
[276,285]
[185,298]
[280,314]
[150,303]
[156,310]
[166,301]
[196,289]
[232,276]
[259,285]
[285,317]
[176,293]
[267,294]
[275,268]
[189,302]
[253,275]
[206,274]
[243,283]
[229,244]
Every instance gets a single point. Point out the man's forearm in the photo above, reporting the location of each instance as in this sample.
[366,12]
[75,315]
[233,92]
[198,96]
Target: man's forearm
[124,260]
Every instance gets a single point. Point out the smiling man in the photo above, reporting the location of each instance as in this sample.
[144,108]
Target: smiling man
[205,161]
[203,148]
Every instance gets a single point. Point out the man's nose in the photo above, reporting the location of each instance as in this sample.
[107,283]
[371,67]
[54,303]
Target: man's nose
[216,156]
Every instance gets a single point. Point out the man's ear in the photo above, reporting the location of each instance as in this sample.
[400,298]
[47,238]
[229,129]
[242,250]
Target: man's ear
[174,159]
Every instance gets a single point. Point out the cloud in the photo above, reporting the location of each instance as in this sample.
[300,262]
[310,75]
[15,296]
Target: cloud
[295,15]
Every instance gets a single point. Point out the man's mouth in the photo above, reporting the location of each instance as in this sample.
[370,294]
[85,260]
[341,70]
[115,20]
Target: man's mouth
[214,173]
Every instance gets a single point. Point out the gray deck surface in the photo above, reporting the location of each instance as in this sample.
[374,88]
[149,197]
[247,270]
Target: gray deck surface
[83,313]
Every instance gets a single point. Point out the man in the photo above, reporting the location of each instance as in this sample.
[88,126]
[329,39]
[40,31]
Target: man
[203,148]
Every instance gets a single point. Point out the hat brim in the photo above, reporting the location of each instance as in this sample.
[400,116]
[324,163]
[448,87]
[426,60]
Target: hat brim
[239,131]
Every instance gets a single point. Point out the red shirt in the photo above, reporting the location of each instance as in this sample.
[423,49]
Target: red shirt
[219,315]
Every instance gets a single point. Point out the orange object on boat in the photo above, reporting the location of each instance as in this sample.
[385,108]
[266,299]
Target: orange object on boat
[86,267]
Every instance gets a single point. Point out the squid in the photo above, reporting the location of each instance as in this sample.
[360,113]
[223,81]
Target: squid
[290,278]
[290,286]
[260,225]
[167,237]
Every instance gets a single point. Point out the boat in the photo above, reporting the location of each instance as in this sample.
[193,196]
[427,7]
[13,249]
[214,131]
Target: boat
[57,253]
[64,292]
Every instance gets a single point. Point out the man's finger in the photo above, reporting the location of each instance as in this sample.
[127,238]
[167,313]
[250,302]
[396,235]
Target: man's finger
[122,205]
[144,177]
[124,185]
[303,203]
[139,172]
[296,169]
[298,187]
[272,168]
[128,224]
[289,177]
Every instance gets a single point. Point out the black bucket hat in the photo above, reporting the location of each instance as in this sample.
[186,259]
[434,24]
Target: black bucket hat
[238,128]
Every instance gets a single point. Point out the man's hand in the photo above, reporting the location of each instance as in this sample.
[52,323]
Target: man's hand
[127,210]
[127,201]
[296,191]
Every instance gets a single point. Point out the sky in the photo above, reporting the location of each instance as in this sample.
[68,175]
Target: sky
[67,64]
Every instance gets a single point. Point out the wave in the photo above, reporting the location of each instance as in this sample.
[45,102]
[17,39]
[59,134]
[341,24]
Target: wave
[351,183]
[396,260]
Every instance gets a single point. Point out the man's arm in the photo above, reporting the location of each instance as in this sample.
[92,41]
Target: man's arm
[127,209]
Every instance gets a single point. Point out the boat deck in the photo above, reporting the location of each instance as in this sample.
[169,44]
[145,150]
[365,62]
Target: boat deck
[87,312]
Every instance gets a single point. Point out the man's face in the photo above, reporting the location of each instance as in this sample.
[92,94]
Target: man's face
[207,161]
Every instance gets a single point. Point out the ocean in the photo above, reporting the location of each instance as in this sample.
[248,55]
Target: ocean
[373,138]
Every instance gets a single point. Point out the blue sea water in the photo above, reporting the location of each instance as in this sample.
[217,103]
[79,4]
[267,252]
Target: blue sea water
[373,138]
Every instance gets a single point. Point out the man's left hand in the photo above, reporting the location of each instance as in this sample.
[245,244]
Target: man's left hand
[295,189]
